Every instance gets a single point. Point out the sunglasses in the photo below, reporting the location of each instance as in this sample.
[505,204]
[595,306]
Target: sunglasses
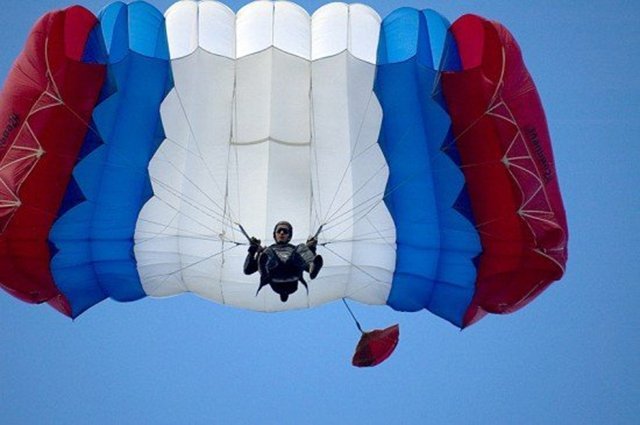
[283,230]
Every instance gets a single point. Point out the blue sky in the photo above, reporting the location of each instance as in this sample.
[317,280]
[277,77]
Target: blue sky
[569,357]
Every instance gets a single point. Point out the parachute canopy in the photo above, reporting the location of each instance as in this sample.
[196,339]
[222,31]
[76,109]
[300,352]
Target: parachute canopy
[136,144]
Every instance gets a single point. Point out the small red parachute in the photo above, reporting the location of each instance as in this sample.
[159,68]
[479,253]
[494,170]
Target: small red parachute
[376,346]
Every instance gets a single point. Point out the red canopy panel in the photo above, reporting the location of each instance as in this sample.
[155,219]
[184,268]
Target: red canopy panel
[45,110]
[502,136]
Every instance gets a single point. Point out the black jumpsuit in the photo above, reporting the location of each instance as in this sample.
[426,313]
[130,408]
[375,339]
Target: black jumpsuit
[281,266]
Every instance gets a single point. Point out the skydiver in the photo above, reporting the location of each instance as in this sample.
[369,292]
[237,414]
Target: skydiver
[281,265]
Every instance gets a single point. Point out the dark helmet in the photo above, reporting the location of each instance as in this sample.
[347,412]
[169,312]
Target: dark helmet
[286,225]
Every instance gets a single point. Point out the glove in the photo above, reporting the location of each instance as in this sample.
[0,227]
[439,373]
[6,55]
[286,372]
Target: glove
[254,245]
[312,243]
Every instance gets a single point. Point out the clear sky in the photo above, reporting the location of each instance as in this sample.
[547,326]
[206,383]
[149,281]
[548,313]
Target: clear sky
[570,357]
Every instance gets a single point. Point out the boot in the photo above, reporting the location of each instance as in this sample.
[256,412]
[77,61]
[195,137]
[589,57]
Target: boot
[315,266]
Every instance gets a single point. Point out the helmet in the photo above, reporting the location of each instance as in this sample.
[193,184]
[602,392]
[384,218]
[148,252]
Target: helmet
[283,225]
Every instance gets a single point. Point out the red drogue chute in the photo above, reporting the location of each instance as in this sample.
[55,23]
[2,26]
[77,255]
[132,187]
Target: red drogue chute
[376,346]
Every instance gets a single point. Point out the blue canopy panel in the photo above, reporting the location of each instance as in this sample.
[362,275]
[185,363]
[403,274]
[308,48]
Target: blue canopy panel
[93,236]
[436,237]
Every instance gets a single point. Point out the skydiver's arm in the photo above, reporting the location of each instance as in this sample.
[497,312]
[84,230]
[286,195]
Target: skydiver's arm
[251,262]
[312,244]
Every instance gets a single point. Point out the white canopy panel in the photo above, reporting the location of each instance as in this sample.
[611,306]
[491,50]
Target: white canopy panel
[273,117]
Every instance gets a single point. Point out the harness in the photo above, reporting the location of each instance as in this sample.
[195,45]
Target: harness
[278,269]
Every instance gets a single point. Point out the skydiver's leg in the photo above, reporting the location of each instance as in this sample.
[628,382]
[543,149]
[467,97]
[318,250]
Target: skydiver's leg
[305,259]
[284,288]
[268,261]
[302,257]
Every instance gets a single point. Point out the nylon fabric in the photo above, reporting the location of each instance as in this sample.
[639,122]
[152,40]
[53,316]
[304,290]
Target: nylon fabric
[504,144]
[46,122]
[139,152]
[94,239]
[436,241]
[268,136]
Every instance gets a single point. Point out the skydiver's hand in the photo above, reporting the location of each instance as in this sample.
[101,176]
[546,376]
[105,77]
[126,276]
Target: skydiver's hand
[254,245]
[312,243]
